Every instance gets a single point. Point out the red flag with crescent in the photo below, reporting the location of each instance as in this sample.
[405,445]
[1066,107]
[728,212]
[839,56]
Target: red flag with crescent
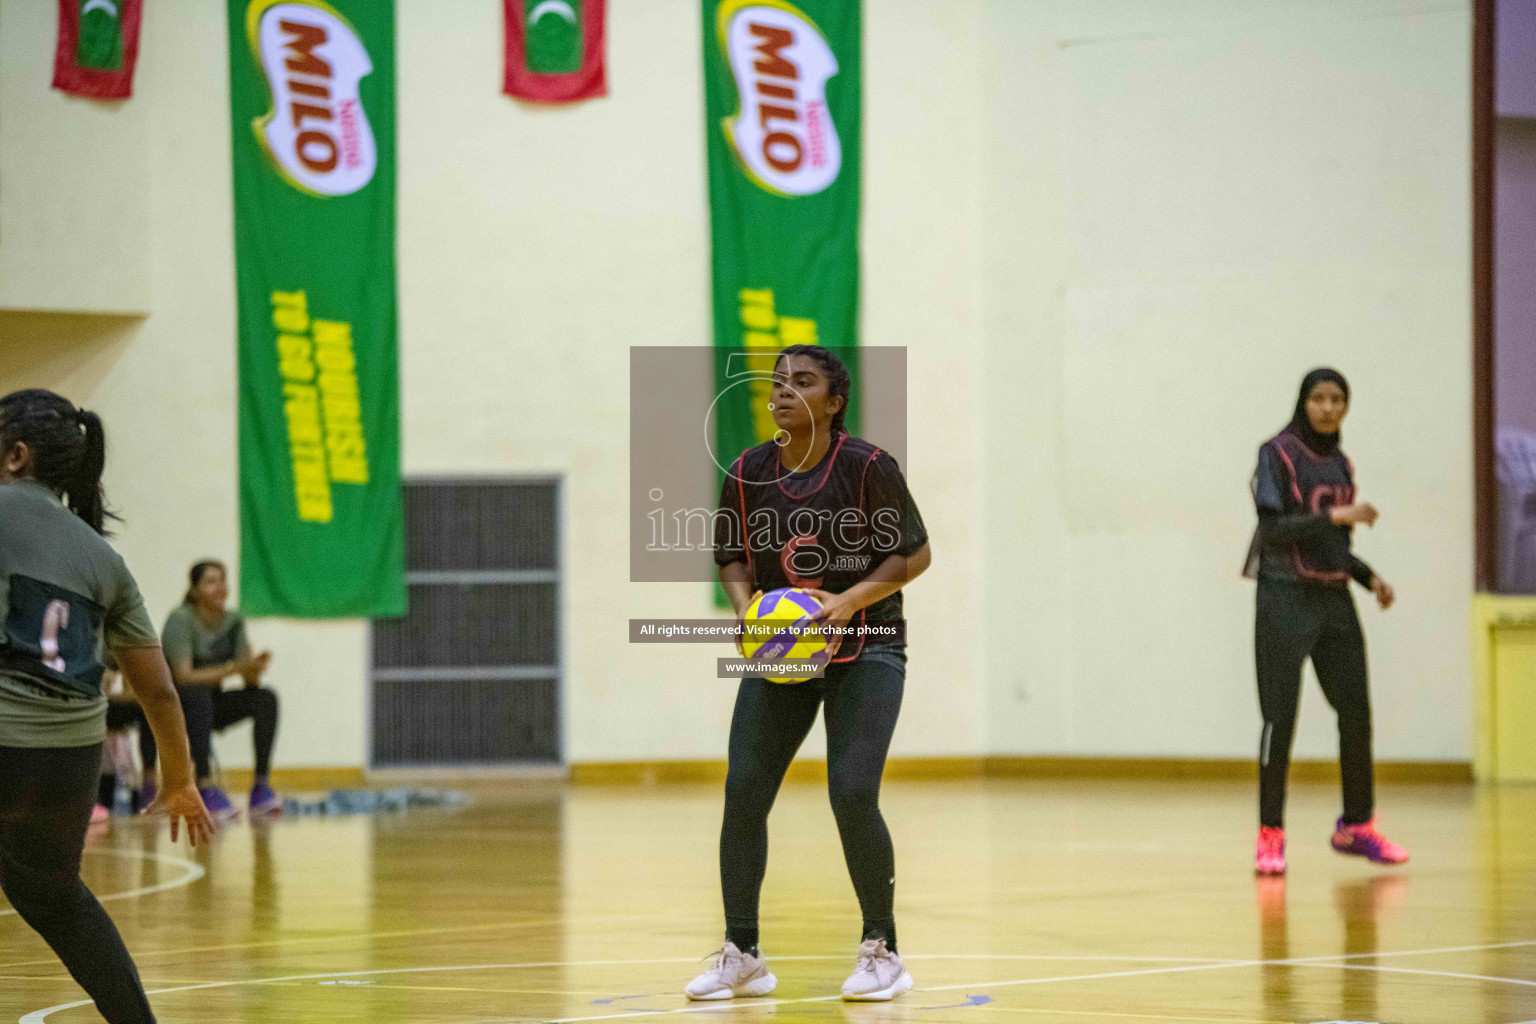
[98,45]
[554,50]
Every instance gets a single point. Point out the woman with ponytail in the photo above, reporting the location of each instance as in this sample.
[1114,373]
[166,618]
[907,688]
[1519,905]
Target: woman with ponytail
[66,595]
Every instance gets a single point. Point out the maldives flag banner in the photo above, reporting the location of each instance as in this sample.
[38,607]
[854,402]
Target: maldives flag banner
[782,122]
[312,105]
[554,50]
[97,47]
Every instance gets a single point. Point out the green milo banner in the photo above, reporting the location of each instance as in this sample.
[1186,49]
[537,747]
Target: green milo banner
[782,119]
[312,103]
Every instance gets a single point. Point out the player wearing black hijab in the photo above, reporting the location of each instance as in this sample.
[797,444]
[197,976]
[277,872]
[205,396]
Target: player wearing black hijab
[1304,490]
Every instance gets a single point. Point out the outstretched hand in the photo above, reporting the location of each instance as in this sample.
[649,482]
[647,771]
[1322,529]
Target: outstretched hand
[184,804]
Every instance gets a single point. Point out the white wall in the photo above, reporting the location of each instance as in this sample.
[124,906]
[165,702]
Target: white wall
[1087,221]
[165,384]
[1189,205]
[73,183]
[537,246]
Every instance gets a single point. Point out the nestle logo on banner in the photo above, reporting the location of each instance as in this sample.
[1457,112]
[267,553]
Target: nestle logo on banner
[781,62]
[317,133]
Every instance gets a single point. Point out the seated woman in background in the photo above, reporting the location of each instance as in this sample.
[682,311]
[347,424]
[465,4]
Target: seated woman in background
[205,644]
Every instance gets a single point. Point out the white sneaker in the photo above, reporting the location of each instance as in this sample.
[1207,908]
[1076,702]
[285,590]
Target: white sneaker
[734,974]
[880,974]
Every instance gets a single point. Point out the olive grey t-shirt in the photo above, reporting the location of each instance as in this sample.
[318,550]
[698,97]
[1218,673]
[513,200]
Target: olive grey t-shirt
[66,596]
[187,637]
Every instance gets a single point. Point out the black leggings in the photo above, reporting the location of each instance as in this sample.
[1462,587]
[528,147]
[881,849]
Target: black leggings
[45,806]
[209,709]
[771,720]
[1296,621]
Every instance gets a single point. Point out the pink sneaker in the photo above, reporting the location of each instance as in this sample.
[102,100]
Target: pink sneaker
[1270,856]
[99,814]
[1365,841]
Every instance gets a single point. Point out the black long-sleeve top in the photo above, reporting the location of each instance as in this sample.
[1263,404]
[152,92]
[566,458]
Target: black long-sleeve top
[1294,489]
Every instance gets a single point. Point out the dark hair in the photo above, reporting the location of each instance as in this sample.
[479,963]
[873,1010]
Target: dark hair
[195,576]
[69,449]
[838,381]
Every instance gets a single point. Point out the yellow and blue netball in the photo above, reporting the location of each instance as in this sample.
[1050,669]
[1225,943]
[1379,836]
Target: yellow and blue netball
[779,627]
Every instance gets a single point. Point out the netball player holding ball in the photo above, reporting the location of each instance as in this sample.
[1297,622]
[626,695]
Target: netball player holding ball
[1305,492]
[821,510]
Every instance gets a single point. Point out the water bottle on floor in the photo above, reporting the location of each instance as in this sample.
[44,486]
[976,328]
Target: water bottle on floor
[122,795]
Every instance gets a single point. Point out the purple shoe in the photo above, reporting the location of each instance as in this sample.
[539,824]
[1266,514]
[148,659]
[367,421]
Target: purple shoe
[147,794]
[219,807]
[1365,841]
[264,801]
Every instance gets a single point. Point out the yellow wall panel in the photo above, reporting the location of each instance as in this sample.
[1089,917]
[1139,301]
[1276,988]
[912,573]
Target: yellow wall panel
[1504,666]
[1514,709]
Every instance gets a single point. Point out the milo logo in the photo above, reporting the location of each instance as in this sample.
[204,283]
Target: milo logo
[781,62]
[317,132]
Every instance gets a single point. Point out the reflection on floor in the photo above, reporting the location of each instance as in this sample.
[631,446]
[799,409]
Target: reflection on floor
[1049,901]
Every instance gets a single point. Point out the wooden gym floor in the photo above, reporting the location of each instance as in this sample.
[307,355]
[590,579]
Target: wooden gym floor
[1018,901]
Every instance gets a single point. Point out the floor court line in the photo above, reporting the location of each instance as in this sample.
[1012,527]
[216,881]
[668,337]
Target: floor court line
[1209,966]
[992,1008]
[934,988]
[194,872]
[186,984]
[40,1016]
[1036,981]
[37,1016]
[1415,970]
[1417,952]
[998,1009]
